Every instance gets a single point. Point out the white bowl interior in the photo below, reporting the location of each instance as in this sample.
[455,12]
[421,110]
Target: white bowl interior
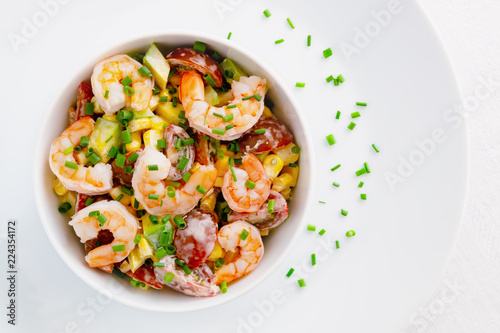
[68,245]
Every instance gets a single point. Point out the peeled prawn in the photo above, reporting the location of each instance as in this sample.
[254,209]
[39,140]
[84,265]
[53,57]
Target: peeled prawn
[87,180]
[239,197]
[201,115]
[251,250]
[151,189]
[119,222]
[109,89]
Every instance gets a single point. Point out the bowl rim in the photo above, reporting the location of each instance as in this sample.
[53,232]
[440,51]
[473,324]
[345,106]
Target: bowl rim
[40,157]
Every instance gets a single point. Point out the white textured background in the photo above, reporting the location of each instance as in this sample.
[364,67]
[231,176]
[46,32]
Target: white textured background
[468,298]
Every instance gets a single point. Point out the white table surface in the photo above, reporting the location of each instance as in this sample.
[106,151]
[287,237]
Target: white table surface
[466,300]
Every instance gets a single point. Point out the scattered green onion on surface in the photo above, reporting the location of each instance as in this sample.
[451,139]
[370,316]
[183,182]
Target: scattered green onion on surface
[118,248]
[360,172]
[363,196]
[300,84]
[361,184]
[290,272]
[71,165]
[337,244]
[361,104]
[89,109]
[301,283]
[259,131]
[244,234]
[144,71]
[327,53]
[153,167]
[153,196]
[267,13]
[335,167]
[322,202]
[270,206]
[161,143]
[250,184]
[338,115]
[367,168]
[223,287]
[350,233]
[89,201]
[118,198]
[330,139]
[308,40]
[200,47]
[137,238]
[64,207]
[351,126]
[279,41]
[179,221]
[169,277]
[311,227]
[158,264]
[290,23]
[375,148]
[336,184]
[201,189]
[355,115]
[229,35]
[313,259]
[344,212]
[127,190]
[68,150]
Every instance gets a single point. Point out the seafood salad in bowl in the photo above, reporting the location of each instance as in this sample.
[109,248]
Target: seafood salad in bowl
[173,169]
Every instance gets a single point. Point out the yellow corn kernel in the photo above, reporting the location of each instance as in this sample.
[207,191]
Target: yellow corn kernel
[110,118]
[139,124]
[208,201]
[139,254]
[219,181]
[195,167]
[151,138]
[59,188]
[262,156]
[294,171]
[136,142]
[264,232]
[159,123]
[133,204]
[286,193]
[222,165]
[282,182]
[124,267]
[273,165]
[153,102]
[97,107]
[167,111]
[116,192]
[286,154]
[217,253]
[267,112]
[226,152]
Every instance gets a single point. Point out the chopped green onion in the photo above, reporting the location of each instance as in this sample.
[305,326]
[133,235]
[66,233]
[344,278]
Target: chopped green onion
[363,196]
[94,213]
[127,137]
[344,212]
[218,131]
[84,141]
[375,148]
[200,47]
[335,167]
[228,127]
[335,82]
[129,169]
[179,221]
[249,184]
[126,81]
[132,158]
[64,208]
[290,272]
[270,206]
[230,106]
[209,79]
[340,78]
[102,219]
[170,249]
[238,161]
[351,126]
[259,131]
[106,94]
[257,97]
[182,163]
[367,168]
[137,238]
[330,139]
[313,259]
[329,79]
[158,264]
[308,40]
[186,177]
[279,41]
[361,184]
[338,115]
[68,150]
[228,117]
[153,167]
[89,201]
[165,219]
[112,152]
[160,253]
[300,84]
[89,109]
[327,53]
[247,98]
[219,263]
[163,99]
[267,13]
[94,158]
[153,196]
[229,35]
[157,90]
[244,234]
[290,23]
[169,277]
[295,149]
[71,165]
[186,269]
[322,202]
[187,142]
[129,90]
[360,172]
[336,184]
[205,138]
[215,55]
[201,189]
[172,91]
[218,115]
[127,190]
[78,148]
[171,73]
[311,227]
[171,191]
[144,71]
[350,233]
[174,102]
[118,198]
[175,184]
[118,248]
[355,115]
[161,143]
[269,103]
[360,104]
[140,213]
[178,143]
[301,283]
[292,165]
[234,174]
[337,245]
[223,287]
[124,115]
[109,139]
[322,232]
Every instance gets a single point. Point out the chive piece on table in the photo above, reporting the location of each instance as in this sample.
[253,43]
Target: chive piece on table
[300,84]
[363,196]
[335,167]
[351,126]
[344,212]
[311,227]
[327,53]
[330,139]
[301,283]
[244,234]
[290,272]
[350,233]
[290,23]
[267,13]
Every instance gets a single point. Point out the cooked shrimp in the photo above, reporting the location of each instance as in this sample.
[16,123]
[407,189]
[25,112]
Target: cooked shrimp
[119,222]
[107,77]
[151,189]
[239,197]
[251,250]
[79,178]
[201,115]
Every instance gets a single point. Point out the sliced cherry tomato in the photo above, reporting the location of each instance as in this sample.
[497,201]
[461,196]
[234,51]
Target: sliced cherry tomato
[195,242]
[276,136]
[262,219]
[120,175]
[188,57]
[146,274]
[85,94]
[172,134]
[203,150]
[199,283]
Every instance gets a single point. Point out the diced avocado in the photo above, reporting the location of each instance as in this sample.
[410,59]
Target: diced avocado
[153,232]
[158,65]
[230,66]
[143,114]
[211,96]
[167,111]
[225,97]
[105,135]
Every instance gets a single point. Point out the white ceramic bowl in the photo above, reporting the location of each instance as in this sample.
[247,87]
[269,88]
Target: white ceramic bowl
[68,245]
